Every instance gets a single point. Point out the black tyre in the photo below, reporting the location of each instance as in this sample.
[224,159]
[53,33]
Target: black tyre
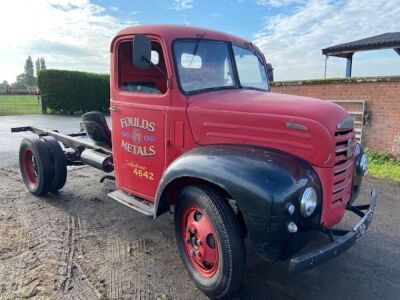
[209,240]
[35,165]
[59,164]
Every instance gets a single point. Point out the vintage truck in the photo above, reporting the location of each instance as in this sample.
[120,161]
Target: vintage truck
[197,131]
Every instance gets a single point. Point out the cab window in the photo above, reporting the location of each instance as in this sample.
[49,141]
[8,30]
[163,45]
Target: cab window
[251,69]
[134,80]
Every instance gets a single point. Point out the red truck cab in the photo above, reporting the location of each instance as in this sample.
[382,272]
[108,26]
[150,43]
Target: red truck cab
[197,130]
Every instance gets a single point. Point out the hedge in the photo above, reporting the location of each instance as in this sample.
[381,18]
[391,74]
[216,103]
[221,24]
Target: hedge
[72,92]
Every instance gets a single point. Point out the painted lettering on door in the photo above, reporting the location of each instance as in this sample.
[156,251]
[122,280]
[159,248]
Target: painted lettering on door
[137,136]
[139,149]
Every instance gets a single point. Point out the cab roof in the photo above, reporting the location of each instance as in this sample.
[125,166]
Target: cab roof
[171,32]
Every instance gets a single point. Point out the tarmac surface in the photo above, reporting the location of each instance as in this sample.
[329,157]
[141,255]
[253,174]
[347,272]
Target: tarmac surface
[79,244]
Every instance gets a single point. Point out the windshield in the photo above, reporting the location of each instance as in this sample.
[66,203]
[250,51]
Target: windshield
[250,67]
[207,65]
[203,65]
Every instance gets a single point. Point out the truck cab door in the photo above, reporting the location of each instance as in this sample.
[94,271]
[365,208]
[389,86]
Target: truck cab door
[139,100]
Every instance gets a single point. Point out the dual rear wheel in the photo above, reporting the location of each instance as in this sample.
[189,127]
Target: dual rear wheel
[43,166]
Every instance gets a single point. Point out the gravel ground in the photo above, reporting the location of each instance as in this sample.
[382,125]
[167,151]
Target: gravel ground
[79,244]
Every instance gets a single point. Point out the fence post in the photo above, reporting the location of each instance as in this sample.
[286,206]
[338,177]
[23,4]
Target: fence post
[42,102]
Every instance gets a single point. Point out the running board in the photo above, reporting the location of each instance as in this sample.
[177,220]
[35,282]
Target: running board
[141,205]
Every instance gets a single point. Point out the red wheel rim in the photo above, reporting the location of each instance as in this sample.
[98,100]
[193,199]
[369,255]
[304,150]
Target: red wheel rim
[200,241]
[30,169]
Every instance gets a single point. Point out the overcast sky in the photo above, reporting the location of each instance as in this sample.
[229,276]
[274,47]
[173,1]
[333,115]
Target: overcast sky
[75,34]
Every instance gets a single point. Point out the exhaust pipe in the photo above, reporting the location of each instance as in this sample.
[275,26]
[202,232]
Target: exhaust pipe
[97,160]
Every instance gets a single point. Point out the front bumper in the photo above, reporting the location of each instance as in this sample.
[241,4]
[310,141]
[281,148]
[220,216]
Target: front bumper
[343,241]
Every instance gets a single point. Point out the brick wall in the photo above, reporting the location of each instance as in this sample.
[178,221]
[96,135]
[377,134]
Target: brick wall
[382,95]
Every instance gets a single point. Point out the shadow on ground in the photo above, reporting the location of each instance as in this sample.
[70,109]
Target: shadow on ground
[80,244]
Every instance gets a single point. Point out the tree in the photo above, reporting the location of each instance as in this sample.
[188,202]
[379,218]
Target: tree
[3,86]
[42,64]
[28,78]
[37,65]
[29,72]
[20,83]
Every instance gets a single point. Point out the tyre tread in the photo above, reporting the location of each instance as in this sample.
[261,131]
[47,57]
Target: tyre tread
[59,166]
[230,236]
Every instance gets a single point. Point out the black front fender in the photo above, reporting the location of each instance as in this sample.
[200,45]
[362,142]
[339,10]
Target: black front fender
[262,182]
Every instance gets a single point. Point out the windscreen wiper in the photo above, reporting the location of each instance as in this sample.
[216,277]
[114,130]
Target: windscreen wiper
[196,47]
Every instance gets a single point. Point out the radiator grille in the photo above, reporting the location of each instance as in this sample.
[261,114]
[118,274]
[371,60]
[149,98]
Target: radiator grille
[343,169]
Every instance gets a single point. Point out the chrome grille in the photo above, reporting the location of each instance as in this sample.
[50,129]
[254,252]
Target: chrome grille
[343,169]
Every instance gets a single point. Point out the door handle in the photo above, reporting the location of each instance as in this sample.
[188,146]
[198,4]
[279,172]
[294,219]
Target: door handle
[112,108]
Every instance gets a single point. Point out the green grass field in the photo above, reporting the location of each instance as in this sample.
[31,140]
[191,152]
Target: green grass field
[19,105]
[385,170]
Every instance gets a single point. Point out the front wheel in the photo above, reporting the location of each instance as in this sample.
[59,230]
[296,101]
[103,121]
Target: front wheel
[209,240]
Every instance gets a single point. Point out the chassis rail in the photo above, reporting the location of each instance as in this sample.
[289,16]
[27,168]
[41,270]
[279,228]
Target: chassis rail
[68,140]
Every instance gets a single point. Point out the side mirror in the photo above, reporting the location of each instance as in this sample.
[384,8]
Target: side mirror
[141,52]
[270,73]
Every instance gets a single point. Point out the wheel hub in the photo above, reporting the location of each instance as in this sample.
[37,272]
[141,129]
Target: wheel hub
[30,168]
[194,241]
[200,241]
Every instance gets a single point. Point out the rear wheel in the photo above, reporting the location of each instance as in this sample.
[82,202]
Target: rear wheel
[35,165]
[209,241]
[59,165]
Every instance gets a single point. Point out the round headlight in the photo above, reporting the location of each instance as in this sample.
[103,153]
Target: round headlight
[364,164]
[308,202]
